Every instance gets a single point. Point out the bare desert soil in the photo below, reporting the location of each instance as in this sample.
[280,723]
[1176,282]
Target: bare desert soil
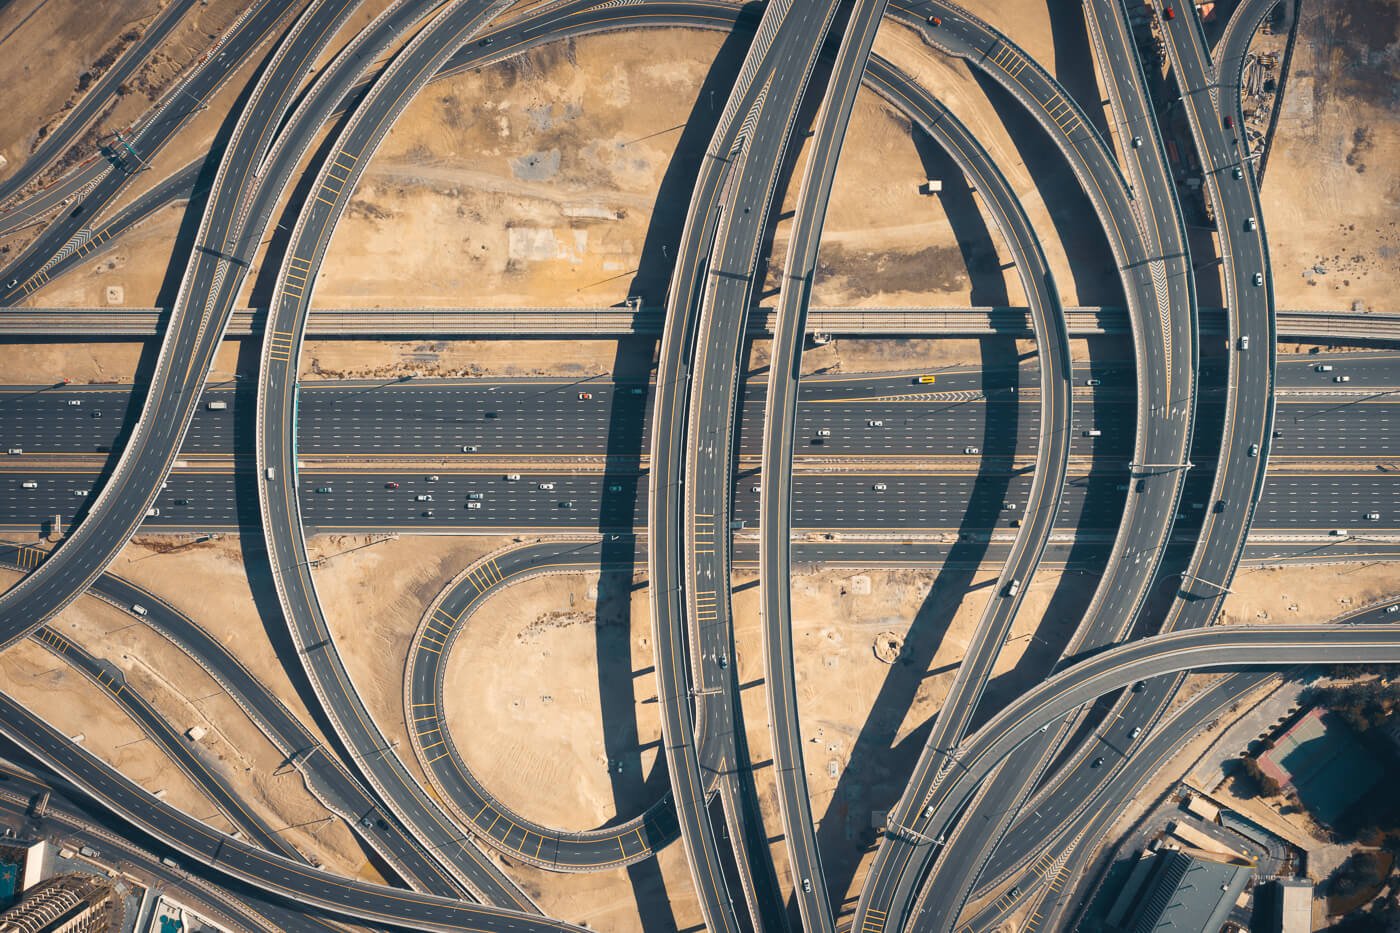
[532,182]
[1049,192]
[548,683]
[862,719]
[1332,187]
[43,362]
[187,697]
[51,45]
[373,359]
[130,273]
[1299,596]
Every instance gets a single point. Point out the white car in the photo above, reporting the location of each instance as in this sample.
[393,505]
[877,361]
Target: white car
[1373,516]
[473,505]
[512,477]
[546,485]
[876,423]
[880,487]
[423,498]
[971,450]
[74,402]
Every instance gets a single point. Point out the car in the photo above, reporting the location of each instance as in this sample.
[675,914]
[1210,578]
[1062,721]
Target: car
[12,283]
[1097,762]
[935,21]
[879,487]
[1229,122]
[16,451]
[1093,382]
[1278,434]
[473,505]
[426,513]
[1137,142]
[926,380]
[492,415]
[1169,13]
[1137,731]
[1254,450]
[1251,224]
[1139,686]
[1393,608]
[432,478]
[177,501]
[82,494]
[1244,342]
[1015,523]
[755,489]
[546,485]
[1323,368]
[723,661]
[323,490]
[95,413]
[391,485]
[807,885]
[971,450]
[823,432]
[614,487]
[1009,506]
[566,504]
[1258,279]
[875,423]
[1236,172]
[29,484]
[637,390]
[74,402]
[585,396]
[469,448]
[485,42]
[423,498]
[153,513]
[476,495]
[1341,379]
[818,441]
[1373,516]
[512,477]
[1219,506]
[1094,432]
[1012,588]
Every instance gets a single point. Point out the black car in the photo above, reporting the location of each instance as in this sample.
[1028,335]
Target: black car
[1097,762]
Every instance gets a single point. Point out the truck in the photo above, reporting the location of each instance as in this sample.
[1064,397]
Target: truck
[217,406]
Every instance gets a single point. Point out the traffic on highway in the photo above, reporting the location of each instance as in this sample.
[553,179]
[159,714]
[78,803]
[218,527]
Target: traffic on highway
[684,464]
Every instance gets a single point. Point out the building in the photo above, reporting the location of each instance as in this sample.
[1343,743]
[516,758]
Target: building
[21,867]
[65,904]
[1174,891]
[1294,906]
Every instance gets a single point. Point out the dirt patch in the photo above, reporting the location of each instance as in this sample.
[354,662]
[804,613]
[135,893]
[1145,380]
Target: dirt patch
[231,744]
[1331,195]
[527,183]
[524,701]
[372,359]
[861,717]
[373,591]
[1264,595]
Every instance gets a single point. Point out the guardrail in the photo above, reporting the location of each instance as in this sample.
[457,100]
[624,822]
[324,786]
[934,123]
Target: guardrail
[602,323]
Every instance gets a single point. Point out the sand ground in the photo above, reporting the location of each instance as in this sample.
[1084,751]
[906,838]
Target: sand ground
[338,359]
[531,182]
[1331,193]
[1296,596]
[187,697]
[62,40]
[543,652]
[44,362]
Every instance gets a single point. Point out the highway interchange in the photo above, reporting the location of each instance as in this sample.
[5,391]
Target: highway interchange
[669,474]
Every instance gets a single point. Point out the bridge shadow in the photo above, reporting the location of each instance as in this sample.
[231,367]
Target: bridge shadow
[1074,60]
[1091,265]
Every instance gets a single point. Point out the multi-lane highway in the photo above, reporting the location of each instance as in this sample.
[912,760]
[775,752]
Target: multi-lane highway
[216,267]
[324,774]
